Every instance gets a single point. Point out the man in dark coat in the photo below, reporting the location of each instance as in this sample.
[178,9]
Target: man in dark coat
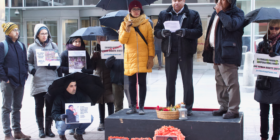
[13,74]
[71,95]
[179,48]
[223,47]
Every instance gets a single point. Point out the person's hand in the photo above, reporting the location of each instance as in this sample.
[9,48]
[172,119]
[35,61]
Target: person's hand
[150,63]
[272,54]
[33,71]
[165,33]
[8,82]
[75,113]
[63,117]
[218,7]
[128,25]
[180,32]
[51,67]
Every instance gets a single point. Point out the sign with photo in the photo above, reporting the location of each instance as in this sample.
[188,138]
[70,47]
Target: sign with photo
[77,113]
[166,137]
[111,48]
[77,61]
[47,56]
[266,65]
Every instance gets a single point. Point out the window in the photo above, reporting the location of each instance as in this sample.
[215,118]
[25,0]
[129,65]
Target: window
[69,26]
[67,2]
[91,2]
[35,3]
[16,3]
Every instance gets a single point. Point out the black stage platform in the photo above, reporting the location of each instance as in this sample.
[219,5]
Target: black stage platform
[200,126]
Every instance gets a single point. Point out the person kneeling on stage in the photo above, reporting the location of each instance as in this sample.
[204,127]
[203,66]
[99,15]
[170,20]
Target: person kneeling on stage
[71,95]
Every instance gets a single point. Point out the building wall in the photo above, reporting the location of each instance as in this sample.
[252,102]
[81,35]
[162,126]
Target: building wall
[2,18]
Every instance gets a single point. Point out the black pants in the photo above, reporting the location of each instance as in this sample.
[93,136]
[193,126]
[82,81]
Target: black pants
[171,68]
[39,105]
[101,108]
[142,88]
[265,121]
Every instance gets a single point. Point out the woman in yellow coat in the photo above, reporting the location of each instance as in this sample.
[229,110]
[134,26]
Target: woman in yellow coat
[139,52]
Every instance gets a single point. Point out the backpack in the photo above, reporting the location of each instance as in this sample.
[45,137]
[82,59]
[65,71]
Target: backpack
[6,47]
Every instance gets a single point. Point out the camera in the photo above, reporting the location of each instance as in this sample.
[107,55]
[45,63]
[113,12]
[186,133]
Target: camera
[16,12]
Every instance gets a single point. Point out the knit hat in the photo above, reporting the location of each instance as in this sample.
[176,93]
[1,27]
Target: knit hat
[42,28]
[133,4]
[8,27]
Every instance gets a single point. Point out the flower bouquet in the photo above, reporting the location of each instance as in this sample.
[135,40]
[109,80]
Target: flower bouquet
[141,139]
[168,113]
[117,138]
[169,131]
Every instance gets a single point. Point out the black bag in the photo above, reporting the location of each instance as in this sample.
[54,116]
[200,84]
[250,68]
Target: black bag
[138,31]
[263,83]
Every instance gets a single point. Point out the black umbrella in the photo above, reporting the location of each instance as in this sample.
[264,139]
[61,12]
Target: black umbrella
[114,19]
[120,4]
[90,33]
[88,84]
[262,15]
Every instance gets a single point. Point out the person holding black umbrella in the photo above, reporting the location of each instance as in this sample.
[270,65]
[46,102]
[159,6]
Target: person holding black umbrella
[270,46]
[137,34]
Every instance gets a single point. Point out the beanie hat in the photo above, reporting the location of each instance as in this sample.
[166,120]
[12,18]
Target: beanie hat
[8,27]
[133,4]
[42,28]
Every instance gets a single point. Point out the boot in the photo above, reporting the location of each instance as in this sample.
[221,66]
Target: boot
[40,122]
[132,110]
[78,137]
[141,111]
[20,135]
[9,137]
[62,137]
[101,127]
[72,132]
[48,126]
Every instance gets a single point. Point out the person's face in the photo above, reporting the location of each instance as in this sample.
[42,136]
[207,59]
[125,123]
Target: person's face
[43,35]
[71,108]
[274,29]
[225,4]
[77,42]
[100,38]
[135,12]
[14,34]
[178,4]
[72,87]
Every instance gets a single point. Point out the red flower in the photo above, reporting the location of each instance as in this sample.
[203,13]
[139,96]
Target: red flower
[157,107]
[165,109]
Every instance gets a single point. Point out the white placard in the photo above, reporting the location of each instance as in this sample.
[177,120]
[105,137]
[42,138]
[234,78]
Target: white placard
[266,65]
[111,48]
[77,113]
[47,56]
[77,61]
[172,25]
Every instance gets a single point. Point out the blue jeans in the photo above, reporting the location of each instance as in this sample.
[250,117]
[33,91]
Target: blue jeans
[158,53]
[80,128]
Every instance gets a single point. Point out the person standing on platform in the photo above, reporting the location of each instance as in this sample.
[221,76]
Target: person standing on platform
[223,47]
[13,75]
[136,34]
[158,51]
[272,95]
[43,76]
[178,49]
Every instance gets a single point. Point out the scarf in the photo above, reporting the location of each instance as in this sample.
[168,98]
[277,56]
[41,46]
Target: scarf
[273,39]
[72,47]
[135,21]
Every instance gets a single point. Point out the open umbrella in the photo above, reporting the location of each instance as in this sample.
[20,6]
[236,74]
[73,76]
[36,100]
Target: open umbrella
[89,84]
[262,15]
[90,33]
[120,4]
[114,19]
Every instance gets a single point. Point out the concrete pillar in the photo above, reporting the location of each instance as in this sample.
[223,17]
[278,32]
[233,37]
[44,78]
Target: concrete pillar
[2,19]
[248,76]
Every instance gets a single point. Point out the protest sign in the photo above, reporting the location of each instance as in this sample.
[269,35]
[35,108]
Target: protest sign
[111,48]
[266,65]
[47,56]
[77,113]
[77,61]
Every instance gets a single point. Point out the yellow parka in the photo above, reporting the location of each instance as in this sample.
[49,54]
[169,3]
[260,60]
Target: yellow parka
[136,50]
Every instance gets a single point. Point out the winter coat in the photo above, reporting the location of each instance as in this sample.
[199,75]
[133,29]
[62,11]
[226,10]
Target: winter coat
[271,96]
[58,107]
[43,77]
[228,37]
[136,50]
[117,69]
[13,66]
[190,21]
[104,73]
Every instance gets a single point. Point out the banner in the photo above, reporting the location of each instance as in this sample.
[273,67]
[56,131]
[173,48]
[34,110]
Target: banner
[77,113]
[266,65]
[77,61]
[47,56]
[111,48]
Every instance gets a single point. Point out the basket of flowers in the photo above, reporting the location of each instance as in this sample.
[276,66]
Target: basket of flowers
[168,113]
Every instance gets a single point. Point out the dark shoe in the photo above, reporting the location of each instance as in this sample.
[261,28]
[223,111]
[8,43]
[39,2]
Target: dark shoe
[20,135]
[101,127]
[219,112]
[40,122]
[62,137]
[72,132]
[9,137]
[190,113]
[84,132]
[132,110]
[141,111]
[78,137]
[230,115]
[264,139]
[48,126]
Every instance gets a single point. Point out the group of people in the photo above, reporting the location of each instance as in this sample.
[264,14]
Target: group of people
[223,48]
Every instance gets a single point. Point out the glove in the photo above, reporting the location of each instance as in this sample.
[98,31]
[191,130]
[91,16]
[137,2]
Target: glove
[88,71]
[165,33]
[63,117]
[110,61]
[150,63]
[33,71]
[180,32]
[272,54]
[51,67]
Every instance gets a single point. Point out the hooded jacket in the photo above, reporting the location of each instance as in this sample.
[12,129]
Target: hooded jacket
[137,51]
[43,77]
[228,37]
